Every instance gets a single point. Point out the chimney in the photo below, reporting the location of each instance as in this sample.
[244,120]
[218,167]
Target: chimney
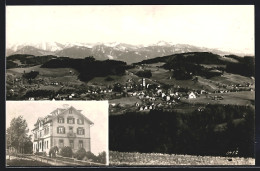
[65,106]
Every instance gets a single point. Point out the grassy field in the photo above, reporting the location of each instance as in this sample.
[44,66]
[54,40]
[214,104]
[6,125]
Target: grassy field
[233,98]
[164,76]
[48,72]
[157,159]
[116,79]
[126,101]
[228,78]
[48,75]
[25,162]
[161,75]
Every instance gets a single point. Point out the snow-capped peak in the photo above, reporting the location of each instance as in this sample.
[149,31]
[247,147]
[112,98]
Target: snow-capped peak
[111,44]
[163,43]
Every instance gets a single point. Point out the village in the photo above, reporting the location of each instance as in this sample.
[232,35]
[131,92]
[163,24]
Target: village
[134,94]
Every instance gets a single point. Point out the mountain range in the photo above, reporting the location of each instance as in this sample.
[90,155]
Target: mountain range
[102,51]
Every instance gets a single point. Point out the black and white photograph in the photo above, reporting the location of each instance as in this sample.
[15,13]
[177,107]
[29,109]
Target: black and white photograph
[46,133]
[179,81]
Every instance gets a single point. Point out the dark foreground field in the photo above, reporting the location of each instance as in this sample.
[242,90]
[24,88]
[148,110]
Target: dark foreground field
[214,130]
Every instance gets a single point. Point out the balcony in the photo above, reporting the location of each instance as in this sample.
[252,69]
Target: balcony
[71,135]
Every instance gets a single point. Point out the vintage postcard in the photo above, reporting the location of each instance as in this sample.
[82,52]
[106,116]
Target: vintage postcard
[179,81]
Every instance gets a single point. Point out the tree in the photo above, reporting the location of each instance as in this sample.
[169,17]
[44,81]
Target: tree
[30,76]
[101,158]
[17,135]
[145,73]
[91,156]
[118,87]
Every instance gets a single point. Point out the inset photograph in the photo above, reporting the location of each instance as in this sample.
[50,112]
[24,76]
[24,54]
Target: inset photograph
[56,133]
[179,80]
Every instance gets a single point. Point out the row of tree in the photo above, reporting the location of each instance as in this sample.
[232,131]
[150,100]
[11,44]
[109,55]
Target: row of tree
[88,67]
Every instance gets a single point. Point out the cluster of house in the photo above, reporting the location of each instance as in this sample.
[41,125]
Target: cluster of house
[98,91]
[145,107]
[246,86]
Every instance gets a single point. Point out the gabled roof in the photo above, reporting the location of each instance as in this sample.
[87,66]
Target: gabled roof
[58,109]
[90,122]
[62,111]
[40,119]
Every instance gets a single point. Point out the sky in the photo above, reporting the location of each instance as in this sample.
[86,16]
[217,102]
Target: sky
[225,27]
[96,111]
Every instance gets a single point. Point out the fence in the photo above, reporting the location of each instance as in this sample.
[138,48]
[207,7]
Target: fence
[57,161]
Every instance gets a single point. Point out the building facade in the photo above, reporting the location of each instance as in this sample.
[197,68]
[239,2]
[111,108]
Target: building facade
[65,126]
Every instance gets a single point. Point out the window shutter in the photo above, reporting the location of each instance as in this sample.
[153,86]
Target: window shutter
[83,130]
[77,130]
[64,130]
[62,120]
[57,129]
[73,120]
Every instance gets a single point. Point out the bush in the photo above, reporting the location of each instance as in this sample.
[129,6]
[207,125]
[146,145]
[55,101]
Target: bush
[101,158]
[80,154]
[66,152]
[91,156]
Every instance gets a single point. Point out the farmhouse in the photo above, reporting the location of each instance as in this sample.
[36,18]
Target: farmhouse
[65,126]
[191,95]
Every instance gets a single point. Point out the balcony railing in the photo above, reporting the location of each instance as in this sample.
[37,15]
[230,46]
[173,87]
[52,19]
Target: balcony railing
[71,135]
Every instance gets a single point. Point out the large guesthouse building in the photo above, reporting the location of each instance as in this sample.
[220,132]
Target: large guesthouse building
[65,126]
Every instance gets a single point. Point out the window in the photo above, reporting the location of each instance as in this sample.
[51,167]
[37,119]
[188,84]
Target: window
[70,129]
[61,130]
[40,133]
[40,145]
[80,121]
[80,144]
[80,131]
[61,143]
[70,111]
[46,130]
[71,143]
[60,120]
[70,120]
